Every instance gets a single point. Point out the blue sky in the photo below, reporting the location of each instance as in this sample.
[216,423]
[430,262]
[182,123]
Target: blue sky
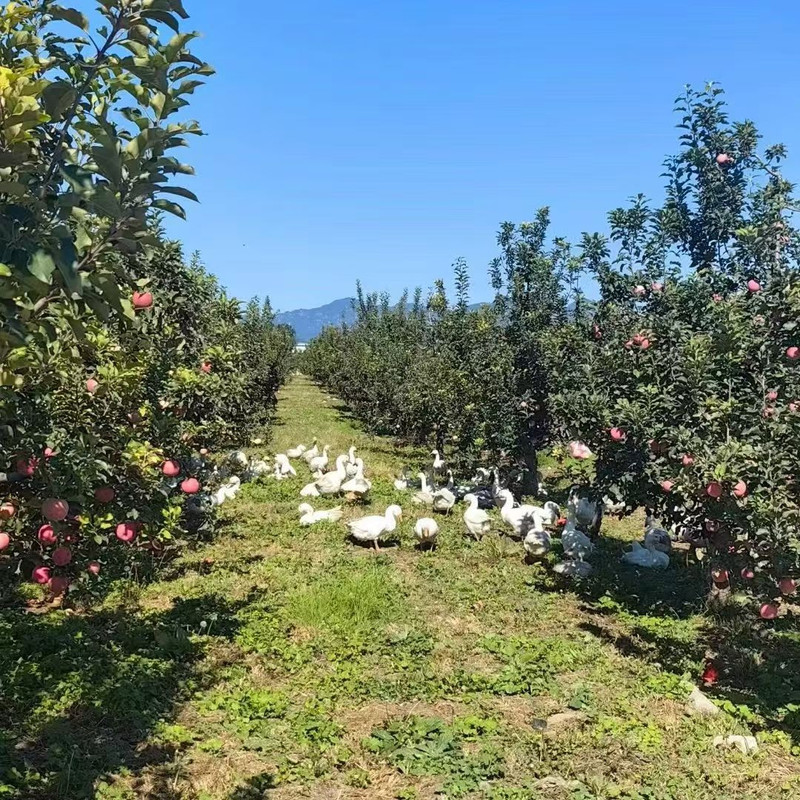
[382,140]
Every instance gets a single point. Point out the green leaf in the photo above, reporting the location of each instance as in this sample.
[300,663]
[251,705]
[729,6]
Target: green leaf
[57,97]
[71,15]
[180,191]
[172,208]
[42,266]
[67,266]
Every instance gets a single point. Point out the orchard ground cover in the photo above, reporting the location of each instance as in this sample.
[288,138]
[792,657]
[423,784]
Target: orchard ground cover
[284,662]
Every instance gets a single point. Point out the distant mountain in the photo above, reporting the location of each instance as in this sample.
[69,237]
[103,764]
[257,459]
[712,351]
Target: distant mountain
[308,322]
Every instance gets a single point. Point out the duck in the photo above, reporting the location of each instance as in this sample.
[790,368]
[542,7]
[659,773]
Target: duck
[647,557]
[444,499]
[656,537]
[351,466]
[331,482]
[424,496]
[401,482]
[577,545]
[227,491]
[586,514]
[573,569]
[370,529]
[476,519]
[426,530]
[238,459]
[438,461]
[522,518]
[549,514]
[282,464]
[358,486]
[351,455]
[313,452]
[310,490]
[310,517]
[256,470]
[537,542]
[296,452]
[318,463]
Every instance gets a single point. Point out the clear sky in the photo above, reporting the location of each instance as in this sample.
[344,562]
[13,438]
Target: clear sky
[381,139]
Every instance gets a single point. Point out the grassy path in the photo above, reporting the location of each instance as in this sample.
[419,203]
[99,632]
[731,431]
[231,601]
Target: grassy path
[288,663]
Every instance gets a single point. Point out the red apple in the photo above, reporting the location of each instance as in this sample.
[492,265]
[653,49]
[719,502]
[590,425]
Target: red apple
[721,577]
[794,406]
[747,574]
[710,674]
[5,541]
[47,535]
[190,486]
[793,353]
[768,611]
[59,585]
[54,509]
[171,469]
[768,412]
[27,466]
[62,556]
[206,367]
[7,510]
[596,332]
[639,291]
[142,300]
[772,396]
[637,339]
[656,287]
[753,286]
[644,344]
[723,159]
[617,434]
[629,344]
[667,486]
[93,567]
[787,585]
[41,575]
[576,449]
[92,386]
[740,490]
[49,452]
[687,460]
[127,531]
[104,494]
[714,489]
[716,297]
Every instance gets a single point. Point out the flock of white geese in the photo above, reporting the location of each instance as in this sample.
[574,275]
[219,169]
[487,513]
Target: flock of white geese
[534,525]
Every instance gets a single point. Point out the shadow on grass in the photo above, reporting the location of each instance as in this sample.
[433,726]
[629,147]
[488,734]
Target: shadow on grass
[255,788]
[81,694]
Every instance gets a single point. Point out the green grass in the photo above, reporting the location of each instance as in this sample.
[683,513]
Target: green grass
[280,662]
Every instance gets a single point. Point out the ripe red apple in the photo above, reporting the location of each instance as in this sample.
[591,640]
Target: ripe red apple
[687,460]
[206,367]
[714,489]
[639,291]
[740,490]
[190,486]
[26,466]
[92,386]
[62,556]
[7,510]
[104,494]
[753,286]
[171,469]
[794,406]
[47,535]
[54,509]
[710,674]
[142,300]
[596,332]
[637,339]
[748,574]
[576,449]
[127,531]
[657,287]
[768,412]
[768,611]
[617,434]
[49,452]
[5,541]
[41,575]
[667,486]
[716,297]
[721,577]
[787,585]
[629,344]
[724,158]
[59,585]
[772,396]
[93,567]
[644,344]
[793,353]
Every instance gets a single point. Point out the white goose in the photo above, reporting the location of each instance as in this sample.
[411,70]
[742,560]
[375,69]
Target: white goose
[577,545]
[312,453]
[309,490]
[476,519]
[318,463]
[424,496]
[585,513]
[438,461]
[310,517]
[444,499]
[282,464]
[296,452]
[521,519]
[573,569]
[656,537]
[401,483]
[358,486]
[370,529]
[426,530]
[646,557]
[331,482]
[537,542]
